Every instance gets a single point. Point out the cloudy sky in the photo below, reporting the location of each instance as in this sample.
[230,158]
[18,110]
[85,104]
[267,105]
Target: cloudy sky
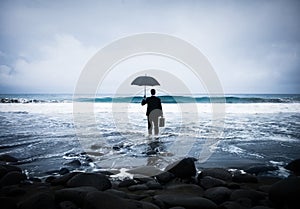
[252,45]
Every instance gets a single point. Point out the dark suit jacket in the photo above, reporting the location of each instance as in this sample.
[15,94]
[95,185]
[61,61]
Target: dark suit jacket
[153,103]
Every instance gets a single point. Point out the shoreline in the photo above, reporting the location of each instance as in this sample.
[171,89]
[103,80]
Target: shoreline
[179,186]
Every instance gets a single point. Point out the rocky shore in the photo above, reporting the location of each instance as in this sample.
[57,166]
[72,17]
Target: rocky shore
[179,186]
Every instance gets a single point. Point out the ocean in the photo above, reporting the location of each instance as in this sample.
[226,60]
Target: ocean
[40,129]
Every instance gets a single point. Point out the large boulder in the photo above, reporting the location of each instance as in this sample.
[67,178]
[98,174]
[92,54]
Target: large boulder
[99,181]
[294,166]
[186,201]
[184,168]
[219,173]
[286,193]
[218,194]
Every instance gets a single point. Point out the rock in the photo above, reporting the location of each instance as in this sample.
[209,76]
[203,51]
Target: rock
[245,202]
[233,186]
[38,201]
[138,187]
[63,171]
[209,182]
[294,166]
[264,188]
[187,189]
[67,205]
[103,200]
[177,207]
[261,207]
[127,183]
[186,201]
[244,178]
[219,173]
[153,185]
[3,171]
[286,193]
[231,205]
[74,163]
[218,194]
[12,168]
[125,195]
[145,171]
[13,191]
[184,168]
[75,195]
[260,169]
[141,178]
[62,180]
[8,203]
[11,178]
[147,205]
[99,181]
[164,177]
[8,158]
[253,195]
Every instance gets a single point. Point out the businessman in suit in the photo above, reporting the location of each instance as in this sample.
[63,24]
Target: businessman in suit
[154,110]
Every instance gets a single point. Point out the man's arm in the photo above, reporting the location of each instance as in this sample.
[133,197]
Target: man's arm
[144,101]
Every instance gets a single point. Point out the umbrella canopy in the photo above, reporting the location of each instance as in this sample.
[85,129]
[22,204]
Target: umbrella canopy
[145,81]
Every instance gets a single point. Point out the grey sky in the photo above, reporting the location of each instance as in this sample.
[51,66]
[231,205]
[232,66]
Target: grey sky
[253,45]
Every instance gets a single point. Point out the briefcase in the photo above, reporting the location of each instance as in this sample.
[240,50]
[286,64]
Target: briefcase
[161,122]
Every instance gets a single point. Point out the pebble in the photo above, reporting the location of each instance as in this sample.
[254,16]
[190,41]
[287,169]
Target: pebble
[244,178]
[260,169]
[75,195]
[286,193]
[164,177]
[294,166]
[102,200]
[67,205]
[7,203]
[11,178]
[184,168]
[219,173]
[208,182]
[186,201]
[99,181]
[8,158]
[218,194]
[254,196]
[38,201]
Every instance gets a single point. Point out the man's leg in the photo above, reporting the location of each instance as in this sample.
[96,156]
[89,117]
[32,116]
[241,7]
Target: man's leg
[149,126]
[156,129]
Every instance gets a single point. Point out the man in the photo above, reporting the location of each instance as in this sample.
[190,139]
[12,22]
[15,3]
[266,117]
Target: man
[154,110]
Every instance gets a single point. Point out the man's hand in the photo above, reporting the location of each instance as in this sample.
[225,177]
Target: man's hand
[144,96]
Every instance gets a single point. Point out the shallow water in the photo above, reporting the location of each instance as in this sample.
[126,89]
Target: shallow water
[46,137]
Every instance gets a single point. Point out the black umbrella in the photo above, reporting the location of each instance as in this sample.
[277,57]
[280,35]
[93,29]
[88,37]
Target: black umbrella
[145,81]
